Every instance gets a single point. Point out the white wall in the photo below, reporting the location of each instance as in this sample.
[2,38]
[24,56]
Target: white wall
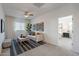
[2,35]
[50,20]
[76,29]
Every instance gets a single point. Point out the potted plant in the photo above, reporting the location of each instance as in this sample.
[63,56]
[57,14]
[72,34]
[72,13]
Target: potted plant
[28,28]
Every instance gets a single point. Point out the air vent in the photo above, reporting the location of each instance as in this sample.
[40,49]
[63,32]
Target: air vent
[39,5]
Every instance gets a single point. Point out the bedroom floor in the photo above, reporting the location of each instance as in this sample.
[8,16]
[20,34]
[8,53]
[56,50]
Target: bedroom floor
[49,50]
[55,51]
[65,43]
[5,52]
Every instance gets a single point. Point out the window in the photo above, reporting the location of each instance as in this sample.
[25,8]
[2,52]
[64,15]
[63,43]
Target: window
[19,26]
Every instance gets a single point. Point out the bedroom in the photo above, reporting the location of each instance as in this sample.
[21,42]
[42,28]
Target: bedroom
[42,18]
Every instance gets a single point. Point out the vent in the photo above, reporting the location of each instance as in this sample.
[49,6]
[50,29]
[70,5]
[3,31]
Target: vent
[39,5]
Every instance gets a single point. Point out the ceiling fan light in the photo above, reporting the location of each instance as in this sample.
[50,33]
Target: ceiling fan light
[26,16]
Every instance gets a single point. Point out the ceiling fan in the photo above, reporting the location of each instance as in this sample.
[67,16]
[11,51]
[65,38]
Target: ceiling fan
[28,14]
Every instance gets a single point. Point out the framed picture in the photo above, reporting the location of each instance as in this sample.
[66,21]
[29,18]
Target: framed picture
[2,26]
[38,26]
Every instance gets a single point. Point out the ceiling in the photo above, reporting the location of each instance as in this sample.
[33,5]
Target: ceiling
[18,9]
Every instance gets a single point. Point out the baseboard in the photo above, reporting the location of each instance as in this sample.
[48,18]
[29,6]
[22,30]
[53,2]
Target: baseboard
[49,43]
[0,50]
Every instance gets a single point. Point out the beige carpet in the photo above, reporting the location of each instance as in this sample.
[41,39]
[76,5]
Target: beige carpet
[48,50]
[5,52]
[43,50]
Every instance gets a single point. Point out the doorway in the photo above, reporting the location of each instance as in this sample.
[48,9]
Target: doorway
[65,32]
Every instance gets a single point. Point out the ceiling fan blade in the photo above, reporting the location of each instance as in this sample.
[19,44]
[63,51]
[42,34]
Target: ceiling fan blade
[30,14]
[26,13]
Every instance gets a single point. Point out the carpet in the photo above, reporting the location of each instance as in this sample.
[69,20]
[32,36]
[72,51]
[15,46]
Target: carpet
[18,47]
